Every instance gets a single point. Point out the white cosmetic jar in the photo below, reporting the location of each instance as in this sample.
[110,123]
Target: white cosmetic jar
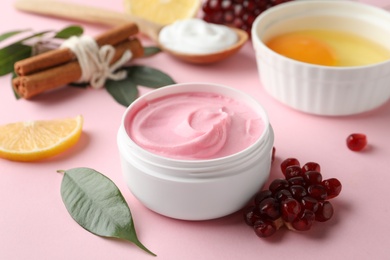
[316,89]
[196,189]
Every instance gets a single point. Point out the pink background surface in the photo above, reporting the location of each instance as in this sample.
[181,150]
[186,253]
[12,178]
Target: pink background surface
[34,223]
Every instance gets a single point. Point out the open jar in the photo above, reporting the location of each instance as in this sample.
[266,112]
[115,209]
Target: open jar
[195,189]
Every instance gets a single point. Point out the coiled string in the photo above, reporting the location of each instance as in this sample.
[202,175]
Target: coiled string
[95,61]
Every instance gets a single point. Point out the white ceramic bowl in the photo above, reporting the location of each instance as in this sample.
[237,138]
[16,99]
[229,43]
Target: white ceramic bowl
[316,89]
[195,189]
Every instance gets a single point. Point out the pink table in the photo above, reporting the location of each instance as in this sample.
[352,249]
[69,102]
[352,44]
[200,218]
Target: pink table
[34,223]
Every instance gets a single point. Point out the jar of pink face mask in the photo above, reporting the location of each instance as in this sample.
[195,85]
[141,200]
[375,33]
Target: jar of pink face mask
[195,151]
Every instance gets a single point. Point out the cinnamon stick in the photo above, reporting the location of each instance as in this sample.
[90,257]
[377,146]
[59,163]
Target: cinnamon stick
[31,85]
[60,56]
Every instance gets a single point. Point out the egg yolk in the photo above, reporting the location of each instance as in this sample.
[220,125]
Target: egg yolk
[303,48]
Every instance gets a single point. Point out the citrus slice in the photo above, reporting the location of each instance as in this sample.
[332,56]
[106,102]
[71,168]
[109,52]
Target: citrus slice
[163,12]
[36,140]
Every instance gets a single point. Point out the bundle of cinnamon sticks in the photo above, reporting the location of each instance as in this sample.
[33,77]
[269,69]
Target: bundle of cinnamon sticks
[60,67]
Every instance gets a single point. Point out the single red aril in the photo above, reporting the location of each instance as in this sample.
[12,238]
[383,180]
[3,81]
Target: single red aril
[312,177]
[356,142]
[293,171]
[298,191]
[317,192]
[277,185]
[270,208]
[250,216]
[304,221]
[332,186]
[324,212]
[297,181]
[309,203]
[260,196]
[264,228]
[282,195]
[288,162]
[290,209]
[311,166]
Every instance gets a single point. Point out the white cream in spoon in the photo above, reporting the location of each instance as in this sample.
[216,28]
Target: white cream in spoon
[195,36]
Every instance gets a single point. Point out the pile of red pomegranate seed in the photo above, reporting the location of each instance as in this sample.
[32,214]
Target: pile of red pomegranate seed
[236,13]
[296,201]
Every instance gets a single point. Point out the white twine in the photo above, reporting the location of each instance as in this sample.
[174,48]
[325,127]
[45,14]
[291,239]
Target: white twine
[95,61]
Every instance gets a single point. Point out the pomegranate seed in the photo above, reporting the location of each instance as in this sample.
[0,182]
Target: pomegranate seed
[277,185]
[238,24]
[239,11]
[305,221]
[288,162]
[293,171]
[264,228]
[250,216]
[312,177]
[317,192]
[206,8]
[298,191]
[333,187]
[258,11]
[356,142]
[227,5]
[250,5]
[229,17]
[290,209]
[250,19]
[324,212]
[270,207]
[283,195]
[212,5]
[309,203]
[311,166]
[260,196]
[297,181]
[218,18]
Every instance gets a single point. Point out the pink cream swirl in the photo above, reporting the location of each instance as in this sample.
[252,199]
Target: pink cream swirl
[195,126]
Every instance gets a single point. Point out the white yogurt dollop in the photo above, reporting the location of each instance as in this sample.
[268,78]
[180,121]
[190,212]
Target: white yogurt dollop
[195,36]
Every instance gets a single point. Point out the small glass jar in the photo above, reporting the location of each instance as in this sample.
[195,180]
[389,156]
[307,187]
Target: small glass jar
[196,189]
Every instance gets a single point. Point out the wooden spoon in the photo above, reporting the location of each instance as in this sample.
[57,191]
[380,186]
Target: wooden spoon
[112,18]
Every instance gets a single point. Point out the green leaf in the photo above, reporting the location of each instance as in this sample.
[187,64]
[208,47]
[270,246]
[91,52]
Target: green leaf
[97,205]
[11,54]
[69,32]
[124,91]
[148,77]
[10,34]
[33,36]
[151,50]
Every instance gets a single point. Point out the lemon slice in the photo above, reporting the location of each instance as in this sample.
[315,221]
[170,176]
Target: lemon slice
[36,140]
[163,12]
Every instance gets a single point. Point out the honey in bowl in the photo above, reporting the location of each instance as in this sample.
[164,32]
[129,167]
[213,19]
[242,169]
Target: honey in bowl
[329,48]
